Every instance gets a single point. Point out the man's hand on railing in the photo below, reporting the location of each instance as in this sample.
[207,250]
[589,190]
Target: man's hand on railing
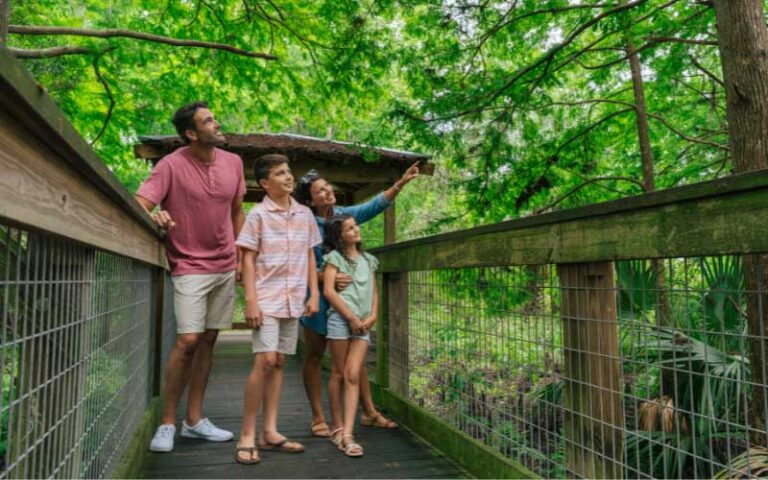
[253,315]
[342,281]
[163,219]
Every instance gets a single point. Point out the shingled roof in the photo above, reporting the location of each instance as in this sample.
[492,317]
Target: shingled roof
[358,171]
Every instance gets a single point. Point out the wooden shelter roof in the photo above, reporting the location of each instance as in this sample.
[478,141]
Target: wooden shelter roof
[357,171]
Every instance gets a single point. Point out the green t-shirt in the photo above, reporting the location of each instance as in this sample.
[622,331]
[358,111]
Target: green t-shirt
[359,294]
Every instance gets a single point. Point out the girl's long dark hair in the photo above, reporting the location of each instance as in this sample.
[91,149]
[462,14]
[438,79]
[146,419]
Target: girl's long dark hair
[332,238]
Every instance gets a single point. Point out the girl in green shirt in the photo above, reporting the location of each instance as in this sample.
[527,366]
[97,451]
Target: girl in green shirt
[350,318]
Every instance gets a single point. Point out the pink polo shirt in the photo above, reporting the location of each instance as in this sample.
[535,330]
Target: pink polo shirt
[283,240]
[199,199]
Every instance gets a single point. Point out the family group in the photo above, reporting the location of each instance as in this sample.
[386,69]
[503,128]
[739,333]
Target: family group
[300,259]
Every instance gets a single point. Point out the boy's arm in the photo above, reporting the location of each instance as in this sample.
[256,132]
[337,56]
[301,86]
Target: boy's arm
[313,303]
[370,320]
[253,316]
[329,278]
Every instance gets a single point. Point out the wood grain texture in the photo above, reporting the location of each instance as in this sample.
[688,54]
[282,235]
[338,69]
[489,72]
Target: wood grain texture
[388,453]
[593,414]
[40,191]
[27,102]
[721,217]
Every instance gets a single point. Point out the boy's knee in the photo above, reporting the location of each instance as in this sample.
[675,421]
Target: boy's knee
[266,362]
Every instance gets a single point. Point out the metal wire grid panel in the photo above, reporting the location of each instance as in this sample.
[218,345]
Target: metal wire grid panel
[635,369]
[76,325]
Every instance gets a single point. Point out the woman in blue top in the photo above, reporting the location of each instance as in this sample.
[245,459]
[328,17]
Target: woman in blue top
[317,194]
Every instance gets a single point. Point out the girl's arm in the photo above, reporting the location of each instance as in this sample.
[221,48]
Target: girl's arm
[370,320]
[253,316]
[313,302]
[333,297]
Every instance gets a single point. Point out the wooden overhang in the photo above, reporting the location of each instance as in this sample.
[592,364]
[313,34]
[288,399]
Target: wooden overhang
[356,171]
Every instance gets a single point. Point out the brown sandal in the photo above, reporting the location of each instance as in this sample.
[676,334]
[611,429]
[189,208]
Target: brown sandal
[251,460]
[378,421]
[282,446]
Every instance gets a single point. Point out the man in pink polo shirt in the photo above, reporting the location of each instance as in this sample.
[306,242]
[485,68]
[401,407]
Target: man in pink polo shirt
[200,191]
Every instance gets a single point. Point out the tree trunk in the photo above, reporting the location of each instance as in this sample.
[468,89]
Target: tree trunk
[5,19]
[743,43]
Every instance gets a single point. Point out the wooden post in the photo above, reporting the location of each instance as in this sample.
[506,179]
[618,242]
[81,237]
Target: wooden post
[398,332]
[158,287]
[5,20]
[390,225]
[593,408]
[382,331]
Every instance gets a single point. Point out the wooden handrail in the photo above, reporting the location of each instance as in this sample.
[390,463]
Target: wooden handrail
[724,216]
[52,181]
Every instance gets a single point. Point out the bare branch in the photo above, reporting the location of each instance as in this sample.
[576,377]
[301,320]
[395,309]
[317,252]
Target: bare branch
[688,41]
[707,72]
[586,183]
[49,52]
[109,96]
[117,32]
[5,18]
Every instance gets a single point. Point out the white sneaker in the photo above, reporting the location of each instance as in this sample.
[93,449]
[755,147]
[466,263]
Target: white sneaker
[163,439]
[205,430]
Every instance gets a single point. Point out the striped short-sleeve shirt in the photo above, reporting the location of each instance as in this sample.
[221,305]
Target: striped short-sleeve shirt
[283,239]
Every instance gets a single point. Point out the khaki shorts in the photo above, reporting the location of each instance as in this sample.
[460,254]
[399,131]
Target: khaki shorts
[276,335]
[203,301]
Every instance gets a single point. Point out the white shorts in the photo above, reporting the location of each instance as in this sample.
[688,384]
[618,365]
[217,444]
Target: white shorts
[203,301]
[276,335]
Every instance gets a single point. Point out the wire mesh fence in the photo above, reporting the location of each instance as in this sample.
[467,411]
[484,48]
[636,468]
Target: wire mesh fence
[75,357]
[633,369]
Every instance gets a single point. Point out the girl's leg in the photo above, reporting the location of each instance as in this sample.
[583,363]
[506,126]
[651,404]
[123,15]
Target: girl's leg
[314,348]
[352,367]
[338,359]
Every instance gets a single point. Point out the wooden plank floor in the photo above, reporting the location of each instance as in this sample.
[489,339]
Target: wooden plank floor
[388,453]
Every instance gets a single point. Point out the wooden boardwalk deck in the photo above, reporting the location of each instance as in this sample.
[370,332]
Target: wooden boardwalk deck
[388,453]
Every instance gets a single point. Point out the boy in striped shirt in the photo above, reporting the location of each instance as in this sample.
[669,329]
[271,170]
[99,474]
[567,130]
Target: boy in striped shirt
[278,264]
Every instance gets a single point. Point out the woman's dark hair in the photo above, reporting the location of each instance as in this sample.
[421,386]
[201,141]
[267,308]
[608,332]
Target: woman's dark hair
[332,238]
[184,119]
[303,192]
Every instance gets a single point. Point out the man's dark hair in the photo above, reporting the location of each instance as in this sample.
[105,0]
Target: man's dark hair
[267,162]
[184,119]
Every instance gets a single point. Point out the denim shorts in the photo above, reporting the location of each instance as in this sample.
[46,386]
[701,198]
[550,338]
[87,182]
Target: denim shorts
[338,329]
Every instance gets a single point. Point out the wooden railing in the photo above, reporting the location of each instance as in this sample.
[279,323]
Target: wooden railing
[562,345]
[82,275]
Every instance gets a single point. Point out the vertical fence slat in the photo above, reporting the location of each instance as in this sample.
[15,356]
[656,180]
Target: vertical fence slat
[593,409]
[397,294]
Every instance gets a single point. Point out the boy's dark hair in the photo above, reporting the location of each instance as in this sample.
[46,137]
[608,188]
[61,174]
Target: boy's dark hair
[184,119]
[265,163]
[332,237]
[303,193]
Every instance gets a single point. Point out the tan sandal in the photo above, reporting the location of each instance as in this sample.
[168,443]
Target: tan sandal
[337,436]
[378,421]
[351,449]
[320,429]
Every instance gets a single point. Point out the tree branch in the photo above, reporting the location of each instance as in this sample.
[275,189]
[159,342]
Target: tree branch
[586,183]
[707,72]
[688,41]
[109,96]
[117,32]
[49,52]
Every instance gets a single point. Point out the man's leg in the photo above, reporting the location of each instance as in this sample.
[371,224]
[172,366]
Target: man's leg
[201,369]
[177,372]
[314,348]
